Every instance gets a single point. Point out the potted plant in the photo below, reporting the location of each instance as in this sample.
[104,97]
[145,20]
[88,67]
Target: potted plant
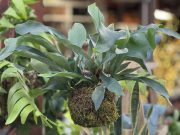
[88,80]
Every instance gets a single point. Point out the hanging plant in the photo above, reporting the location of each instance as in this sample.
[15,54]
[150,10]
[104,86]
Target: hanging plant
[89,81]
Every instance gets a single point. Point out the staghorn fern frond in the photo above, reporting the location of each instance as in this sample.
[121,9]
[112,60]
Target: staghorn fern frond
[19,102]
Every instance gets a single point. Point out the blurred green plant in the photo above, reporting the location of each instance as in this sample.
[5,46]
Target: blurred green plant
[174,126]
[17,12]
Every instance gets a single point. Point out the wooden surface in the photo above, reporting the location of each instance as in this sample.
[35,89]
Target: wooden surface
[3,5]
[39,10]
[62,11]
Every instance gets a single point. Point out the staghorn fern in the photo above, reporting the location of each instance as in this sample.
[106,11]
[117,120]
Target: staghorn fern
[19,102]
[104,65]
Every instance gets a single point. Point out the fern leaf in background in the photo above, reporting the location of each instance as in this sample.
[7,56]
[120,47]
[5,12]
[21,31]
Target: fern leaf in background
[17,12]
[19,102]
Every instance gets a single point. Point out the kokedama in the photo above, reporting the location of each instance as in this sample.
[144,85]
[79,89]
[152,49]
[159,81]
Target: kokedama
[83,111]
[88,80]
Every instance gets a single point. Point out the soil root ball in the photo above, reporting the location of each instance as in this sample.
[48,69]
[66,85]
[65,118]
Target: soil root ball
[83,112]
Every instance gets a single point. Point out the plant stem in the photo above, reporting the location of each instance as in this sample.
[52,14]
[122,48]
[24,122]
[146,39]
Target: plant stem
[118,123]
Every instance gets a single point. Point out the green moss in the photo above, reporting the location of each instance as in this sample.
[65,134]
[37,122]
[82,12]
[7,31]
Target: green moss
[83,111]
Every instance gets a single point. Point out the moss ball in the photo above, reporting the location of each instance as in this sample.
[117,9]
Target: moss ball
[83,112]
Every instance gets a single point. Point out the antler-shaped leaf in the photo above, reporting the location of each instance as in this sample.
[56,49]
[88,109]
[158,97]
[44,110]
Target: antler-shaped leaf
[36,28]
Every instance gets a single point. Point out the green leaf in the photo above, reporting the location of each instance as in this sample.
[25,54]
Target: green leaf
[115,64]
[149,112]
[39,66]
[10,46]
[25,112]
[118,125]
[96,15]
[151,37]
[30,1]
[157,28]
[112,85]
[37,92]
[56,83]
[37,40]
[69,75]
[77,35]
[129,85]
[20,8]
[32,27]
[150,26]
[138,46]
[37,28]
[29,52]
[10,12]
[90,47]
[98,96]
[20,104]
[3,63]
[107,38]
[127,71]
[19,94]
[8,73]
[77,50]
[169,32]
[122,67]
[59,60]
[135,104]
[123,41]
[139,61]
[5,23]
[156,86]
[108,57]
[12,90]
[145,129]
